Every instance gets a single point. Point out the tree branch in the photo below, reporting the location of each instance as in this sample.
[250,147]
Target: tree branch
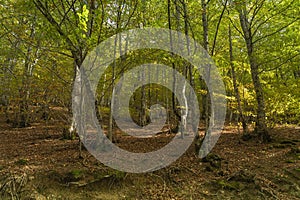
[276,67]
[217,29]
[39,5]
[256,10]
[275,32]
[270,17]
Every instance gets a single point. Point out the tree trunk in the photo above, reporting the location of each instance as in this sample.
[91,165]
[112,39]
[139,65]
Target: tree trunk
[174,109]
[29,63]
[260,126]
[143,120]
[11,61]
[235,86]
[110,122]
[206,47]
[205,97]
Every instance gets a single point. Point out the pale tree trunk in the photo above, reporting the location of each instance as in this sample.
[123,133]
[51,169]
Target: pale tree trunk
[143,119]
[110,122]
[174,109]
[183,110]
[178,111]
[77,101]
[204,24]
[103,100]
[208,107]
[78,48]
[187,69]
[205,97]
[149,88]
[260,126]
[166,99]
[24,92]
[235,86]
[6,79]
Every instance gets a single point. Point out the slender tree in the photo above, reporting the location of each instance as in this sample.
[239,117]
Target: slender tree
[235,85]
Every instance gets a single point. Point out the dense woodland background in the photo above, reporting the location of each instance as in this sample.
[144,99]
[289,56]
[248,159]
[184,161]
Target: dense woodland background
[259,62]
[255,45]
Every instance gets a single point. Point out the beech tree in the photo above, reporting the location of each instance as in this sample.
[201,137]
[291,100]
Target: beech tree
[251,22]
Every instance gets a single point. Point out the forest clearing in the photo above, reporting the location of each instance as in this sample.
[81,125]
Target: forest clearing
[149,99]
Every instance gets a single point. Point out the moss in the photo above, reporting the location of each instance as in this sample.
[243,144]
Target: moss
[77,173]
[120,174]
[74,175]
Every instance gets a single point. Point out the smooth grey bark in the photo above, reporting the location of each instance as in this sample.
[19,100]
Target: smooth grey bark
[174,109]
[143,117]
[185,109]
[31,55]
[187,70]
[205,97]
[206,47]
[208,109]
[11,61]
[260,126]
[77,48]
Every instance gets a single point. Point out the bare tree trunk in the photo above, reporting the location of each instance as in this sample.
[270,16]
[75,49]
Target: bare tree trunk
[260,127]
[110,129]
[235,86]
[110,123]
[206,47]
[174,109]
[188,69]
[185,109]
[205,97]
[143,119]
[30,61]
[78,48]
[6,79]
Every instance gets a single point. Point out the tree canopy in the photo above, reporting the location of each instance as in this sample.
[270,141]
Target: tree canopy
[43,41]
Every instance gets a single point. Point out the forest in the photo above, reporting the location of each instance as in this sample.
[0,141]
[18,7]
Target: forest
[149,99]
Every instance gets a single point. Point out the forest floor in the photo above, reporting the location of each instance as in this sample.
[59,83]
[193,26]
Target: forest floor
[38,163]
